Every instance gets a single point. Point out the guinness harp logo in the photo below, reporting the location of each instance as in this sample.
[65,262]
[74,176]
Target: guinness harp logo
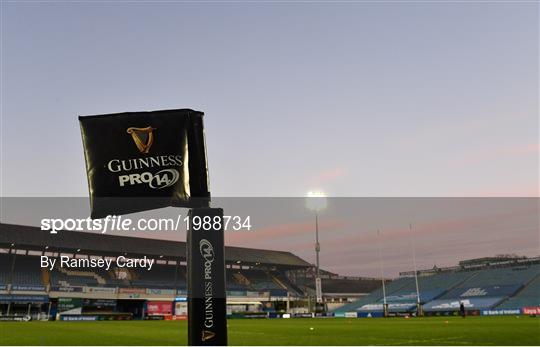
[207,335]
[143,138]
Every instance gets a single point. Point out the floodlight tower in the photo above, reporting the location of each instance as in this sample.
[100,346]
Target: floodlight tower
[381,265]
[316,202]
[418,303]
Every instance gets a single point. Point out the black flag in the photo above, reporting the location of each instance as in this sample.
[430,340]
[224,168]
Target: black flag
[139,161]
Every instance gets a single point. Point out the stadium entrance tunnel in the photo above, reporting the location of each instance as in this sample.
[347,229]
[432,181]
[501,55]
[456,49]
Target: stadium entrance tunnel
[135,307]
[17,308]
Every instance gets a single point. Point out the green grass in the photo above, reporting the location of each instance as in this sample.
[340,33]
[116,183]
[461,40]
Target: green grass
[508,330]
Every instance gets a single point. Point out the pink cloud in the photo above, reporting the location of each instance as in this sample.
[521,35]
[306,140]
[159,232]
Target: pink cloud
[448,240]
[280,234]
[327,176]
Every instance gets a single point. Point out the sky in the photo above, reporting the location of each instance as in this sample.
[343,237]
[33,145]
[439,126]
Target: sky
[358,99]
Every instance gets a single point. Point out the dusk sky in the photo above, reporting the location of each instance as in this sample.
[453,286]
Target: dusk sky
[360,99]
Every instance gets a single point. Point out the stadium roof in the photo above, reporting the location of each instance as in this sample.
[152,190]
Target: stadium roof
[34,238]
[486,260]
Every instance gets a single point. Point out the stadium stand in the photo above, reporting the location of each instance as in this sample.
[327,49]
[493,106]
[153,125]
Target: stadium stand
[341,285]
[335,286]
[6,260]
[261,280]
[63,277]
[439,281]
[285,283]
[26,271]
[376,295]
[503,276]
[236,281]
[430,287]
[273,282]
[486,287]
[253,276]
[528,296]
[250,270]
[161,276]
